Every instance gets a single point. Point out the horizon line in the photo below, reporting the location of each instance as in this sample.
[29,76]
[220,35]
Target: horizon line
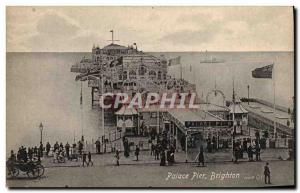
[150,51]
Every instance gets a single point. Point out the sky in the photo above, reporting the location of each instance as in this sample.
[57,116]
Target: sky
[77,29]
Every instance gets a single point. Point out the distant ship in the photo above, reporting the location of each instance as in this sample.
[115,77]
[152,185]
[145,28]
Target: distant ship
[263,72]
[211,59]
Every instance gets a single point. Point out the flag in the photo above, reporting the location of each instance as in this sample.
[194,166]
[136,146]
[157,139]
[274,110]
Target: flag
[111,31]
[81,98]
[81,94]
[174,61]
[263,72]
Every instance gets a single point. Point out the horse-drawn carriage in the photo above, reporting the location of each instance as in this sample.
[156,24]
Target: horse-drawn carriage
[33,169]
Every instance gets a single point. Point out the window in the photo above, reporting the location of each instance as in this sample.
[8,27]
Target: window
[152,74]
[124,75]
[132,75]
[159,75]
[142,70]
[153,115]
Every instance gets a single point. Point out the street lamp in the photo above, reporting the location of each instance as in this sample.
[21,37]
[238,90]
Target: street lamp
[41,127]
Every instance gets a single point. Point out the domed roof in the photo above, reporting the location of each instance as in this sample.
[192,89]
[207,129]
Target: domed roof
[114,47]
[237,108]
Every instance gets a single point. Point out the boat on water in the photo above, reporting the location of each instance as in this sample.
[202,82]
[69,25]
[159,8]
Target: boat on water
[211,59]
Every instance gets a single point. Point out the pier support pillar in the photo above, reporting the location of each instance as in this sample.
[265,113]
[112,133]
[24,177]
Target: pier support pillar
[92,97]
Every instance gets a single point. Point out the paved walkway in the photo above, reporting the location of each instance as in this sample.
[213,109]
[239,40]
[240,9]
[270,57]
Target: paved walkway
[180,158]
[246,175]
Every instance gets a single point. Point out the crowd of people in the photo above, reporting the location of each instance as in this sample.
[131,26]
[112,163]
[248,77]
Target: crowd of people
[58,150]
[249,147]
[161,147]
[27,154]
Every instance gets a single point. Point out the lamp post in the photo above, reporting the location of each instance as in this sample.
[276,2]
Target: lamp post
[248,92]
[41,127]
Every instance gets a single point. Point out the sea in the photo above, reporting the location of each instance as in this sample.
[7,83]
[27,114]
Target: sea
[41,88]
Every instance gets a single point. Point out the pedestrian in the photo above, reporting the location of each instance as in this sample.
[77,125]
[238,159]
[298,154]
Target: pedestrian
[169,157]
[84,158]
[173,143]
[149,143]
[257,151]
[67,147]
[126,147]
[250,153]
[41,149]
[172,150]
[244,145]
[267,174]
[61,146]
[48,147]
[117,157]
[19,155]
[236,154]
[137,152]
[214,144]
[162,158]
[157,151]
[12,156]
[35,151]
[55,155]
[25,158]
[80,147]
[90,159]
[201,156]
[209,146]
[241,152]
[30,153]
[55,147]
[152,149]
[98,146]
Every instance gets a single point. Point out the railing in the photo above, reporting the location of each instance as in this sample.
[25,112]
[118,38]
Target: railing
[115,135]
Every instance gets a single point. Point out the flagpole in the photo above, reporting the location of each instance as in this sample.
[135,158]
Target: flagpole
[233,119]
[103,103]
[81,109]
[274,104]
[180,71]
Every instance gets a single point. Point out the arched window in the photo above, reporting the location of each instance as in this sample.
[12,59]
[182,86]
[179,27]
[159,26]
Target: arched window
[124,75]
[142,70]
[152,74]
[132,74]
[165,76]
[159,75]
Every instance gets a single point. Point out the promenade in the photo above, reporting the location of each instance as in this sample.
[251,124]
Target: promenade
[146,172]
